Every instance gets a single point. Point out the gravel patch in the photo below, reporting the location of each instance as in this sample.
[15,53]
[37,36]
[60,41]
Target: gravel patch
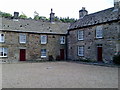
[58,75]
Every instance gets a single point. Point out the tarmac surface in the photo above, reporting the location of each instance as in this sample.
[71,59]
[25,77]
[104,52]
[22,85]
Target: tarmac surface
[58,75]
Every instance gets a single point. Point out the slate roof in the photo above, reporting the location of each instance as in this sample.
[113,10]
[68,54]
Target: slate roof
[103,16]
[24,25]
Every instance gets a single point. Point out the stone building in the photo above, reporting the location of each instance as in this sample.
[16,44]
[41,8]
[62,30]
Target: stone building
[22,39]
[95,36]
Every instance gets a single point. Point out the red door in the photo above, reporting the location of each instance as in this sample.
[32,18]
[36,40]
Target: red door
[99,53]
[22,54]
[62,54]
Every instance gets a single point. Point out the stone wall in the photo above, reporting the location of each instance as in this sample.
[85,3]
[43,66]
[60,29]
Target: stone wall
[110,42]
[32,46]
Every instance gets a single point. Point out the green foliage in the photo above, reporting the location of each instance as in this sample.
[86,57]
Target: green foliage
[36,17]
[116,59]
[6,15]
[23,16]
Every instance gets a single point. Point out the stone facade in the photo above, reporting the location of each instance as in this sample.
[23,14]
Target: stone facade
[32,46]
[32,31]
[94,36]
[93,48]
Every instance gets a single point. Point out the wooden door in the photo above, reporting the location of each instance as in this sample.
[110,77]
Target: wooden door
[22,54]
[99,53]
[62,54]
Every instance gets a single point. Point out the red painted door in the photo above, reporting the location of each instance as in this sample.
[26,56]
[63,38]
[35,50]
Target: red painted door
[22,54]
[62,54]
[99,53]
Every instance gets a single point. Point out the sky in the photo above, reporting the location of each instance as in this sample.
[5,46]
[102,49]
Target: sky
[61,8]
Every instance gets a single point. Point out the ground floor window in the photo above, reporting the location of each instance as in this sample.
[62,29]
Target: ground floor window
[80,50]
[43,53]
[3,52]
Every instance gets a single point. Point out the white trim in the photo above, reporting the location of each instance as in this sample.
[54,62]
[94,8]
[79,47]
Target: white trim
[99,32]
[2,38]
[80,35]
[82,51]
[62,40]
[4,51]
[22,38]
[43,39]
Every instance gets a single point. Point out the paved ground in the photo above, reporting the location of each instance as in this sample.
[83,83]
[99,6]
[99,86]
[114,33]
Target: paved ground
[58,75]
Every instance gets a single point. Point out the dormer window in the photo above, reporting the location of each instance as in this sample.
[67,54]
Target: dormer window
[2,38]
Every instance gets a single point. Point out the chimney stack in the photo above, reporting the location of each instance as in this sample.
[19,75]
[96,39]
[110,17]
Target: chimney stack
[82,12]
[52,17]
[16,15]
[116,4]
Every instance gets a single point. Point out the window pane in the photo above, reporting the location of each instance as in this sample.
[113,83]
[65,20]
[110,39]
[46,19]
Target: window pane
[99,32]
[22,38]
[43,39]
[80,51]
[43,52]
[80,35]
[2,37]
[62,40]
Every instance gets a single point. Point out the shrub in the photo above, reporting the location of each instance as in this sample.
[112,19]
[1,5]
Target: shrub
[116,59]
[51,58]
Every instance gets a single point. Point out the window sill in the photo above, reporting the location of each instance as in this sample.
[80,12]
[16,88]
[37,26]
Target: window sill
[80,39]
[22,43]
[43,56]
[3,56]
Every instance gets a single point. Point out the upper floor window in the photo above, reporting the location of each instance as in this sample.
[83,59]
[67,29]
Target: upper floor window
[43,39]
[43,53]
[22,38]
[80,50]
[2,38]
[62,40]
[3,52]
[80,35]
[99,32]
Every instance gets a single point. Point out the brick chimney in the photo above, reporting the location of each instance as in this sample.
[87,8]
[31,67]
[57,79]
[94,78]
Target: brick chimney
[116,4]
[16,15]
[82,12]
[52,17]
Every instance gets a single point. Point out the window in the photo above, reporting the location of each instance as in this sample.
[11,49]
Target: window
[22,38]
[80,35]
[80,51]
[99,32]
[3,52]
[43,53]
[43,39]
[62,40]
[2,37]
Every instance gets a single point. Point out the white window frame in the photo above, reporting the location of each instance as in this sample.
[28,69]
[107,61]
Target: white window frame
[99,32]
[22,38]
[43,39]
[81,51]
[80,34]
[2,38]
[43,53]
[62,40]
[4,52]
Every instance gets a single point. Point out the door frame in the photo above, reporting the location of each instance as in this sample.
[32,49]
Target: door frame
[22,55]
[99,53]
[62,54]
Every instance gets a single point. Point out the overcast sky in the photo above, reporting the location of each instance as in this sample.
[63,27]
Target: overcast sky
[61,8]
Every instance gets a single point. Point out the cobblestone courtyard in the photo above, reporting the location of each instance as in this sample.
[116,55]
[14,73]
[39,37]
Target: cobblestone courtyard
[58,75]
